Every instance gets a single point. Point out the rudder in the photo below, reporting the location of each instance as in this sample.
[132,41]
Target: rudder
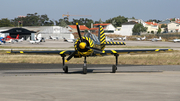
[101,37]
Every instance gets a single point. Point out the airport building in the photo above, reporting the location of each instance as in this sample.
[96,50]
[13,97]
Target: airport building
[36,32]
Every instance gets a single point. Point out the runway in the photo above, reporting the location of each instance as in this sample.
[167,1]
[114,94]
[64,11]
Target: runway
[47,82]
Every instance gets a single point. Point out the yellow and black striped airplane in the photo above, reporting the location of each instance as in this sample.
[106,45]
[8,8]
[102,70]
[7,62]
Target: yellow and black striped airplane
[91,45]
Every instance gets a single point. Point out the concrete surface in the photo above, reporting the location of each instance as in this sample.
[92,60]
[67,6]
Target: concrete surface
[47,82]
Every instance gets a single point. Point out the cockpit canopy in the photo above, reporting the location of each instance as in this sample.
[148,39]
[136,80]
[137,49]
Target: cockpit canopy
[92,36]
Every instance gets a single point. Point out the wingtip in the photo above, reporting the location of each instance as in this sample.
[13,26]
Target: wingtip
[8,52]
[157,50]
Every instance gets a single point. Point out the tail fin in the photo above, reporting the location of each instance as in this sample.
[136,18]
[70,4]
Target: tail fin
[101,37]
[17,37]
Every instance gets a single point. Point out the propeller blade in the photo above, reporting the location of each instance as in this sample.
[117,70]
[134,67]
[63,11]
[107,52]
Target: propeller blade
[79,32]
[71,56]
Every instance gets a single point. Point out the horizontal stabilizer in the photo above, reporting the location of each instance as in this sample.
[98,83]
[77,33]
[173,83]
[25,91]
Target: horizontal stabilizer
[114,43]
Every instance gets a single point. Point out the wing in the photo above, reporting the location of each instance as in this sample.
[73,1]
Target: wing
[112,52]
[61,52]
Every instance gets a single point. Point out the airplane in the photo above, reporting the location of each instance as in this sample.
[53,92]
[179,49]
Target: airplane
[139,39]
[36,41]
[109,39]
[175,40]
[122,38]
[156,39]
[53,38]
[69,40]
[90,45]
[9,39]
[1,40]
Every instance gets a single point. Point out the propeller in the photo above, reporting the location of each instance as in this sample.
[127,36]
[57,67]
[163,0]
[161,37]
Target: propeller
[82,45]
[79,32]
[71,56]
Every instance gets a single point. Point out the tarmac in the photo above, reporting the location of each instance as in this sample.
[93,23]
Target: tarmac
[48,82]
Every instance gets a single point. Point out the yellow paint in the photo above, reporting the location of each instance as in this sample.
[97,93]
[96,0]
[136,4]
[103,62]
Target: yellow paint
[8,52]
[113,51]
[157,50]
[21,52]
[62,52]
[82,45]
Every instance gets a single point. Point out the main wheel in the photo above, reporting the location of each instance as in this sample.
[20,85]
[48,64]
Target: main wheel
[84,69]
[65,68]
[114,68]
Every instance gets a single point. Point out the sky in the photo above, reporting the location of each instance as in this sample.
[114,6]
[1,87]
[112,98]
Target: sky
[98,9]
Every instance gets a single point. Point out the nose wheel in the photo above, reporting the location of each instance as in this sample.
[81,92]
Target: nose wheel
[85,66]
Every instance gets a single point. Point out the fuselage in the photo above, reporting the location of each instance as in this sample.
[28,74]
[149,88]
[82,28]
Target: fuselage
[84,45]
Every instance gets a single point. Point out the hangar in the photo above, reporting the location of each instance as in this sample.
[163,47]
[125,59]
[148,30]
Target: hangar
[33,32]
[22,33]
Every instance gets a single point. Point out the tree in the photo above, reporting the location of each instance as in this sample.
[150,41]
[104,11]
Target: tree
[33,20]
[154,20]
[173,19]
[163,26]
[159,31]
[61,23]
[138,28]
[5,23]
[100,21]
[119,21]
[87,22]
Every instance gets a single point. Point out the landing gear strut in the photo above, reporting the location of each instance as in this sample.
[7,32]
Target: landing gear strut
[65,68]
[85,66]
[114,67]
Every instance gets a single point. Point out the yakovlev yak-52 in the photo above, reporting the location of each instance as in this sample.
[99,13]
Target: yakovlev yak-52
[90,45]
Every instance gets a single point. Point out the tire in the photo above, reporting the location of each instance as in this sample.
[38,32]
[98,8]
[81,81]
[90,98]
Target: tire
[84,69]
[65,68]
[114,68]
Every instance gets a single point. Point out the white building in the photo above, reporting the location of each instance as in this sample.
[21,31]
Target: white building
[138,21]
[108,28]
[174,27]
[126,29]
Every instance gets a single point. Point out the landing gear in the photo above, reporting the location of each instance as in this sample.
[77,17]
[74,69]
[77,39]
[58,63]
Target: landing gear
[85,66]
[114,67]
[65,68]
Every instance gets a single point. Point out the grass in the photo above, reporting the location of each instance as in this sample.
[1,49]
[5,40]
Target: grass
[9,47]
[135,47]
[166,58]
